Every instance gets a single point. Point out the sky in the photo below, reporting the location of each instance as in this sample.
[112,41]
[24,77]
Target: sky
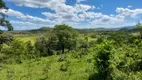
[33,14]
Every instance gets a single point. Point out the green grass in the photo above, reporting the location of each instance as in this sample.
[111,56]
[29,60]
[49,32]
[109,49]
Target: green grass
[33,37]
[27,37]
[78,69]
[49,68]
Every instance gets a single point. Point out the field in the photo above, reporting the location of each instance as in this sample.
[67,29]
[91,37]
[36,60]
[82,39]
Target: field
[90,40]
[39,69]
[28,57]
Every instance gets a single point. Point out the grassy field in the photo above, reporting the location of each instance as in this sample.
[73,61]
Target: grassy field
[33,37]
[28,37]
[41,68]
[78,64]
[72,68]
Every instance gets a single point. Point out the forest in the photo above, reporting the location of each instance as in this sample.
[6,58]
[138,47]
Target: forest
[65,53]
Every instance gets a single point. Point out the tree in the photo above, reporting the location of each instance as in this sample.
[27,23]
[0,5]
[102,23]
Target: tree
[61,37]
[45,47]
[139,27]
[104,60]
[65,37]
[3,21]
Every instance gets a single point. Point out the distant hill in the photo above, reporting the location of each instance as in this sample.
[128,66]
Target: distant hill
[43,29]
[46,29]
[126,28]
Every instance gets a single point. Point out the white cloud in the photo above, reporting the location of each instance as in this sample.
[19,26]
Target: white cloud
[127,12]
[38,3]
[106,20]
[59,6]
[21,22]
[50,15]
[70,13]
[120,18]
[22,25]
[83,7]
[98,8]
[129,6]
[78,1]
[77,14]
[62,11]
[22,16]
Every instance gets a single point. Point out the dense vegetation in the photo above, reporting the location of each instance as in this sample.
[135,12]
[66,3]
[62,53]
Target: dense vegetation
[63,53]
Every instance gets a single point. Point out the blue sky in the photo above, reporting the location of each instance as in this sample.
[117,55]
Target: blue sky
[33,14]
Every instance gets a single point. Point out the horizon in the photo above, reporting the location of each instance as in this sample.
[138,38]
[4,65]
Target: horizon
[77,28]
[80,14]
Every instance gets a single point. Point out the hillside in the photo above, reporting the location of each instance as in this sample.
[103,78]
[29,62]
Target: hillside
[47,29]
[49,68]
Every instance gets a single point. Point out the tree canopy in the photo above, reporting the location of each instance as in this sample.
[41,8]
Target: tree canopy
[3,21]
[66,37]
[139,27]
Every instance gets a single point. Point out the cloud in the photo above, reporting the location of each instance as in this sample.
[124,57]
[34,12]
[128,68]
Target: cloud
[38,3]
[23,25]
[83,7]
[127,12]
[21,22]
[62,11]
[129,6]
[50,15]
[78,1]
[69,14]
[120,18]
[107,20]
[102,5]
[24,17]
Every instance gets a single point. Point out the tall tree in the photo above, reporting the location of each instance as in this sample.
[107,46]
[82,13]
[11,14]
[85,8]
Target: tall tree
[65,37]
[3,21]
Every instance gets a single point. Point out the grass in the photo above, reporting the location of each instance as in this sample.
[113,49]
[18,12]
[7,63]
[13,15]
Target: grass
[74,66]
[48,68]
[33,37]
[27,37]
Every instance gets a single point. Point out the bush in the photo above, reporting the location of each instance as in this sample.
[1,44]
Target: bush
[1,31]
[17,51]
[100,39]
[44,47]
[64,66]
[4,38]
[119,37]
[83,43]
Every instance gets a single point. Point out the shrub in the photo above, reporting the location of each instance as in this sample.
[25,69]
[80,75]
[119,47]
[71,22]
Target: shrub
[4,38]
[17,51]
[1,31]
[64,66]
[44,47]
[104,60]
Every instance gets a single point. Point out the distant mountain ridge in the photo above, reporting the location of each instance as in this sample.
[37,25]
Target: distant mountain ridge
[45,29]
